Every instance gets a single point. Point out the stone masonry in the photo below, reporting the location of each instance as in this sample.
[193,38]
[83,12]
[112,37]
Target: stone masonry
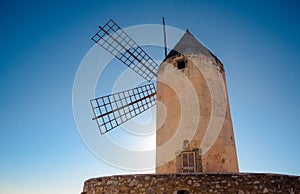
[241,183]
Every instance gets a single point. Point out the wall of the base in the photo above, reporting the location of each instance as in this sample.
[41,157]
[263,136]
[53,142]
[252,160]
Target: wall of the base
[241,183]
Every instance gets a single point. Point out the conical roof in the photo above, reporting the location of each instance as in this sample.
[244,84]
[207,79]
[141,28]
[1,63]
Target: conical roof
[188,44]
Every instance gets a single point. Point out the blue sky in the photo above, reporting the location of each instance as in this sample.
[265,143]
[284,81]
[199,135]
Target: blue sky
[43,43]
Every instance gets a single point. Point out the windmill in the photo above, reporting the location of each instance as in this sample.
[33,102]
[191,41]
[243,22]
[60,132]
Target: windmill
[188,81]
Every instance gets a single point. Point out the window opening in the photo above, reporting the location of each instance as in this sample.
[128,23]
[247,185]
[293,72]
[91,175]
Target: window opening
[180,64]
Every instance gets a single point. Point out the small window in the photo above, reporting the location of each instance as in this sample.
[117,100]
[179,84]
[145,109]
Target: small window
[180,64]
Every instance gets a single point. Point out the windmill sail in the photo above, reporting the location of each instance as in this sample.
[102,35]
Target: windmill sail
[117,42]
[113,110]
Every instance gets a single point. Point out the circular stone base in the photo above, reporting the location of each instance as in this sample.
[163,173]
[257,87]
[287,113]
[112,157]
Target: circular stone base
[194,183]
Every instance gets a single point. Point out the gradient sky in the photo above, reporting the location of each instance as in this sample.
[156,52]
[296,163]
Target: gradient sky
[43,43]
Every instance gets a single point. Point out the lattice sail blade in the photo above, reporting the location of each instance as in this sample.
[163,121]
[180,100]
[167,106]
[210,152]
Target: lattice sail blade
[117,42]
[115,109]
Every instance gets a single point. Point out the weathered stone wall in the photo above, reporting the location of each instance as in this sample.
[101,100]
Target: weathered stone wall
[241,183]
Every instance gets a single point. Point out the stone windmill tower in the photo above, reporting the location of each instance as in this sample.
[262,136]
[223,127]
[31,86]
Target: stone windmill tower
[187,80]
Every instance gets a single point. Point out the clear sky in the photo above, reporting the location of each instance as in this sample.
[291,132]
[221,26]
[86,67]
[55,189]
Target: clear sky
[43,43]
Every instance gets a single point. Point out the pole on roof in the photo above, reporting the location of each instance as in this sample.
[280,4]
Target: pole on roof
[165,38]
